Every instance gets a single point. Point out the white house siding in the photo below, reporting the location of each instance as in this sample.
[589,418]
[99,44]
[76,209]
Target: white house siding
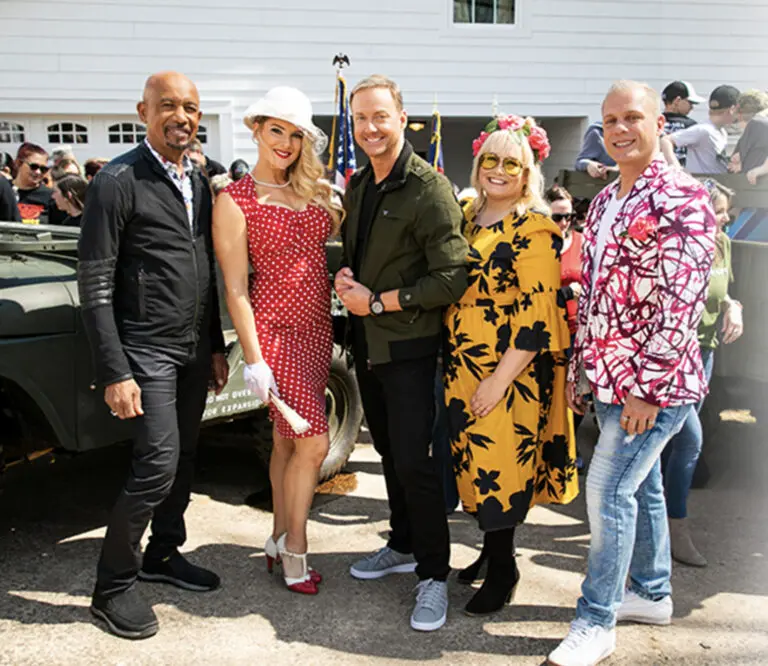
[89,58]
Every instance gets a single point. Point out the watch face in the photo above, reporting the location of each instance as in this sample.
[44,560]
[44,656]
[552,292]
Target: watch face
[377,307]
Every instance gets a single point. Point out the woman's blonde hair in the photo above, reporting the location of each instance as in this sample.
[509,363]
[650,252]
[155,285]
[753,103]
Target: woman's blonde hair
[307,179]
[532,197]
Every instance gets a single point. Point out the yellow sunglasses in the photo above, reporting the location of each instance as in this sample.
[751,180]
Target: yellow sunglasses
[512,166]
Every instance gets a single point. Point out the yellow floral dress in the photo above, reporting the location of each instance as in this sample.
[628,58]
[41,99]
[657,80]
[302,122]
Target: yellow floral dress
[522,453]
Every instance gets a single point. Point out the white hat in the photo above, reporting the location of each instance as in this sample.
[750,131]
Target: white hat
[291,105]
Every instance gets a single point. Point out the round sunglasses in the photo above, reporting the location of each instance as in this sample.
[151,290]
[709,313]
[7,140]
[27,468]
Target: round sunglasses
[512,166]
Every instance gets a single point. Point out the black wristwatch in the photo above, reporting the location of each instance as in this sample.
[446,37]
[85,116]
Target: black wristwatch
[376,305]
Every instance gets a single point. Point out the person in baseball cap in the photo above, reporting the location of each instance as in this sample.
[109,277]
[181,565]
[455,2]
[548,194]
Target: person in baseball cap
[683,91]
[724,99]
[679,98]
[707,141]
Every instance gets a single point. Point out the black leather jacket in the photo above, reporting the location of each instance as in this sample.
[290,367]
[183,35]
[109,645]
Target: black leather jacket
[144,277]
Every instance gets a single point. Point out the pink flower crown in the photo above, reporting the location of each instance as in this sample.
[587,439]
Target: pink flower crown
[526,127]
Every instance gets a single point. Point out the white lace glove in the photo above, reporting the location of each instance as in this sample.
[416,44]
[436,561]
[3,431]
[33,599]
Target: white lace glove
[260,381]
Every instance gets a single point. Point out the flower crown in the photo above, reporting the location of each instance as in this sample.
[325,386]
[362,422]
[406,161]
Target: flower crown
[524,127]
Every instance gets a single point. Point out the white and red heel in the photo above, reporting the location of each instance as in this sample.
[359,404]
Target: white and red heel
[272,556]
[303,583]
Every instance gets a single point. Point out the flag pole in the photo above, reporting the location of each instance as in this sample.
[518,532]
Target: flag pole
[340,60]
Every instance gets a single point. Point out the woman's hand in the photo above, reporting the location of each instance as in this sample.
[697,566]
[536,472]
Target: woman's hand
[576,289]
[260,381]
[488,394]
[733,322]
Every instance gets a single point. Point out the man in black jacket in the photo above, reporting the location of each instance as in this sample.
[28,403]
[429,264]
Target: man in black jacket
[148,296]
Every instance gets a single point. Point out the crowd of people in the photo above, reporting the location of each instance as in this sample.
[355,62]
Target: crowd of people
[38,188]
[524,319]
[700,148]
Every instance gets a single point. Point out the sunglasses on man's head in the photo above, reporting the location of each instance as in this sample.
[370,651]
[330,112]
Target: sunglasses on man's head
[562,217]
[512,166]
[42,168]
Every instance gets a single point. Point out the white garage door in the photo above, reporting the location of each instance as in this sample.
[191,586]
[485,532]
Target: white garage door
[89,136]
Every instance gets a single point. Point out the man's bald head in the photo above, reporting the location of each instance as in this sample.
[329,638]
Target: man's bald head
[163,81]
[170,108]
[651,99]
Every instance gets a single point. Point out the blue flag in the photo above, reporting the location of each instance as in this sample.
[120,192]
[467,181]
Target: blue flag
[435,157]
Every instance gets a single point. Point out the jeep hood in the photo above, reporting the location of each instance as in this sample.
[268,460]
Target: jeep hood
[36,295]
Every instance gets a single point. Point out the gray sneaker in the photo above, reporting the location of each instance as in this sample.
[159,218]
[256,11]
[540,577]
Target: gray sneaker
[431,607]
[382,563]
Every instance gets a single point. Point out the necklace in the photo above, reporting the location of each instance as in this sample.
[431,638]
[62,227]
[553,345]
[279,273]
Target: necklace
[275,185]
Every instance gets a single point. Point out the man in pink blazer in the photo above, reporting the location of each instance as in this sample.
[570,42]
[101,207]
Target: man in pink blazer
[648,246]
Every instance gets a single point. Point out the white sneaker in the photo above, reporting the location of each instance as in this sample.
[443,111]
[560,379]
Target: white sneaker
[585,645]
[636,609]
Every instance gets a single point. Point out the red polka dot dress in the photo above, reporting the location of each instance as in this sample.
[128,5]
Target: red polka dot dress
[291,298]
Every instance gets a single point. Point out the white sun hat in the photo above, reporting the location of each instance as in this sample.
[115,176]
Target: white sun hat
[291,105]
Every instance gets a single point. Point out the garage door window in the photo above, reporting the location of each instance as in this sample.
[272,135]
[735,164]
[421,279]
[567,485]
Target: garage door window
[127,133]
[67,133]
[11,132]
[202,134]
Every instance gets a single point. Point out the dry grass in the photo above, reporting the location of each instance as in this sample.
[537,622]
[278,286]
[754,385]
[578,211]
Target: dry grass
[341,484]
[737,416]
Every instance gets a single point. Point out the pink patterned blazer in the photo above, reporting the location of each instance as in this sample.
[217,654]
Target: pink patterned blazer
[637,323]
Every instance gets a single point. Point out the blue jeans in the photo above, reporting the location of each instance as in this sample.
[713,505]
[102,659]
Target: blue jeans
[683,451]
[627,514]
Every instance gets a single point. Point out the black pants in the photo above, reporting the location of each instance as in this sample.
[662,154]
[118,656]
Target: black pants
[173,393]
[398,399]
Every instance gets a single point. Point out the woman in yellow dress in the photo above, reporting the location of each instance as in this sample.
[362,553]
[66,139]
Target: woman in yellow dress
[511,434]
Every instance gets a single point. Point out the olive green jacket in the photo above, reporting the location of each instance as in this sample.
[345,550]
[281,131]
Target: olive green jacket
[414,244]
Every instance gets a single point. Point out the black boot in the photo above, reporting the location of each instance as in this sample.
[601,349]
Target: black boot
[126,614]
[472,573]
[500,583]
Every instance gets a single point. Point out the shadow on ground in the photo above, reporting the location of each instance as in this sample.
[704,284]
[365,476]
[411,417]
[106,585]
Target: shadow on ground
[48,555]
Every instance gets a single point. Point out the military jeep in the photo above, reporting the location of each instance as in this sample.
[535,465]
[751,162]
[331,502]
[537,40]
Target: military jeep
[47,397]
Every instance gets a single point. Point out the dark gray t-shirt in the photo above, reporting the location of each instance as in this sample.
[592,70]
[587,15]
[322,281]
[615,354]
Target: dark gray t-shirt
[753,144]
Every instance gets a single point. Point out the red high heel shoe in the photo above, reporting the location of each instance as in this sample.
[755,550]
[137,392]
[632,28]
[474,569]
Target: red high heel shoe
[272,556]
[304,583]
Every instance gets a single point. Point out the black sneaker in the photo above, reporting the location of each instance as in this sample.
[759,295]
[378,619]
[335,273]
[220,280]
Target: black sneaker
[126,614]
[176,570]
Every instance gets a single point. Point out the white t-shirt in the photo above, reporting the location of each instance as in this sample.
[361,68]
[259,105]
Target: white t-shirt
[605,224]
[706,147]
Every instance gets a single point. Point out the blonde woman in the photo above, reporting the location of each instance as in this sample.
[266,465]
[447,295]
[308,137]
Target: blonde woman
[278,220]
[505,364]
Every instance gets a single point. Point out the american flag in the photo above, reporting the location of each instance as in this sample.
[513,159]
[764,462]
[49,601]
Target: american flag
[342,153]
[435,157]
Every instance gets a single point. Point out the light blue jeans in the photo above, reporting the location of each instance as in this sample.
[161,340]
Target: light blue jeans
[682,453]
[627,514]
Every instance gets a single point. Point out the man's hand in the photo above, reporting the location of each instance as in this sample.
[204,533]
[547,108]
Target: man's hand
[734,166]
[124,399]
[575,401]
[219,372]
[597,170]
[733,322]
[343,281]
[638,416]
[754,174]
[357,298]
[487,395]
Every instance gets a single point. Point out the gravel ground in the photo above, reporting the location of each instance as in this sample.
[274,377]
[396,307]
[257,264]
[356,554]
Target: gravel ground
[52,519]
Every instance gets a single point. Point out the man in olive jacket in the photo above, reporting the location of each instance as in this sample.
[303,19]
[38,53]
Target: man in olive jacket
[404,261]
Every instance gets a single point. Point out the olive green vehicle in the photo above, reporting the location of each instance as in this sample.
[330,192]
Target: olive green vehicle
[47,397]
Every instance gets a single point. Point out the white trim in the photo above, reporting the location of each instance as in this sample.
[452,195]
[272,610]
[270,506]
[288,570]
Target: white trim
[520,28]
